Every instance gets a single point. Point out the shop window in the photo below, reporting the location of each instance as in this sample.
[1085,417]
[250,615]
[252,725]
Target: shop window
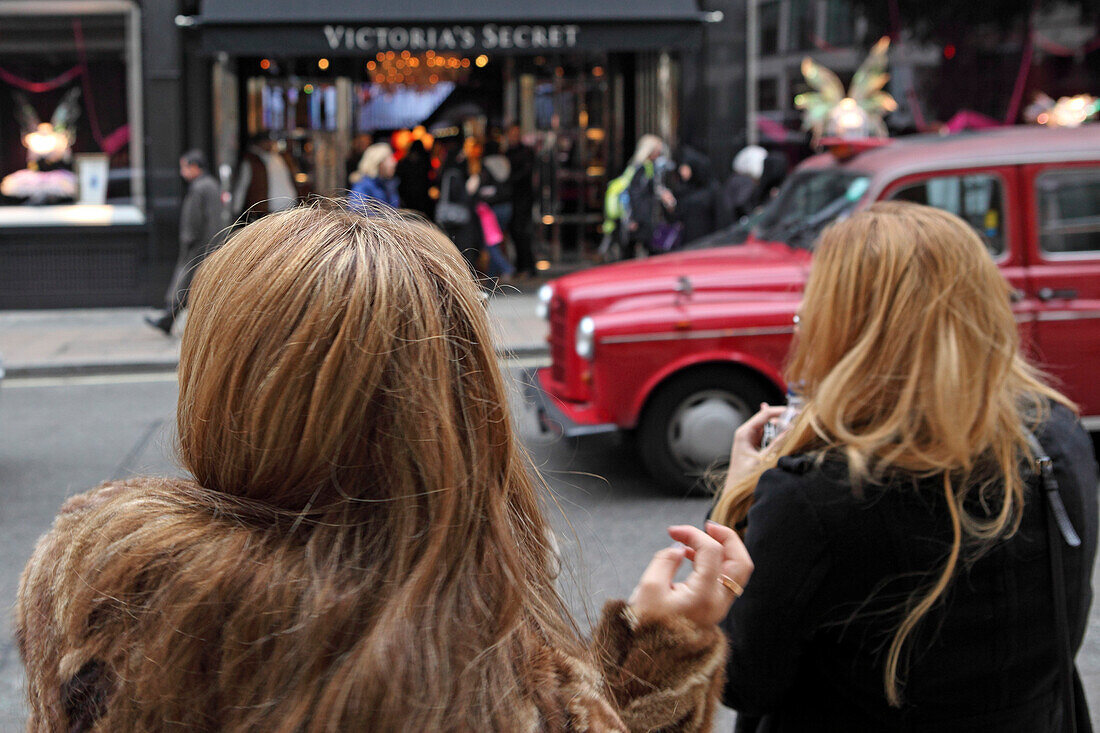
[1069,211]
[977,198]
[768,19]
[69,115]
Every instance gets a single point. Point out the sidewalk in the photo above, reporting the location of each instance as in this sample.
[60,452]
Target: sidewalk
[112,340]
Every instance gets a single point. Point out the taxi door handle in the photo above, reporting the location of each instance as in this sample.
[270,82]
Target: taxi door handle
[1051,294]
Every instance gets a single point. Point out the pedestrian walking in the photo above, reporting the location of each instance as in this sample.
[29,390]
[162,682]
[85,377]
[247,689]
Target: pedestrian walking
[521,159]
[739,195]
[200,224]
[647,197]
[495,182]
[492,192]
[360,543]
[265,180]
[374,182]
[414,172]
[924,533]
[454,211]
[695,194]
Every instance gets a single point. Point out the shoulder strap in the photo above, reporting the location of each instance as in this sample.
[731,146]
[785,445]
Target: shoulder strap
[1058,512]
[1059,528]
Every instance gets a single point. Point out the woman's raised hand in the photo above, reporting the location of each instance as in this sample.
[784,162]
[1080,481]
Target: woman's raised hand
[745,454]
[720,572]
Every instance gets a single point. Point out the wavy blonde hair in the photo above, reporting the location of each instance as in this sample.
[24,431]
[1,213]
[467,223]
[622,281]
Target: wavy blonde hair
[908,355]
[363,544]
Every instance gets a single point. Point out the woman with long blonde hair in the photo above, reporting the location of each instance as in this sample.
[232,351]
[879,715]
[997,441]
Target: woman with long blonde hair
[361,544]
[903,561]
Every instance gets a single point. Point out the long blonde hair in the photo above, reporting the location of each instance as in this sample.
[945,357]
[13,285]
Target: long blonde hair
[363,544]
[908,356]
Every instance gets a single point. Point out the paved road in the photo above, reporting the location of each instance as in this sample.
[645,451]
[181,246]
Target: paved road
[60,437]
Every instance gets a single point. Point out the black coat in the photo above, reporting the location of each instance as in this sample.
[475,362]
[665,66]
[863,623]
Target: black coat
[413,172]
[522,160]
[834,569]
[697,198]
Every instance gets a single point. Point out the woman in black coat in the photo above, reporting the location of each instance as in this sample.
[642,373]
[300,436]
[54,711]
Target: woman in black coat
[696,195]
[906,574]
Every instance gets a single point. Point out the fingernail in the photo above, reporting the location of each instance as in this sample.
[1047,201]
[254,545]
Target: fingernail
[677,546]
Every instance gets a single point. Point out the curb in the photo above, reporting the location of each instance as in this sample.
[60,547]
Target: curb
[28,371]
[90,369]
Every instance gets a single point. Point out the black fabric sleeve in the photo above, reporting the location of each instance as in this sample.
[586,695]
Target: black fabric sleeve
[770,624]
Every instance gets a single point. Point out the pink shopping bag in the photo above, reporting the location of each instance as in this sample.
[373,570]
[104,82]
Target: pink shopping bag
[490,227]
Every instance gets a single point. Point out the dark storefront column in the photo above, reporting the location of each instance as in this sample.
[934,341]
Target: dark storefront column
[165,120]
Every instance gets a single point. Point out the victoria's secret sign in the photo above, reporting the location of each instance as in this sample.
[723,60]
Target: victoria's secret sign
[454,37]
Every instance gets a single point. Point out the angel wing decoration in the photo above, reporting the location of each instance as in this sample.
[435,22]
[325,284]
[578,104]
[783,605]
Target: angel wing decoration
[24,112]
[829,91]
[49,141]
[67,113]
[829,113]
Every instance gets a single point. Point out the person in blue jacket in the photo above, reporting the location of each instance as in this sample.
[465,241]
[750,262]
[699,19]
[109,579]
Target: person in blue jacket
[373,182]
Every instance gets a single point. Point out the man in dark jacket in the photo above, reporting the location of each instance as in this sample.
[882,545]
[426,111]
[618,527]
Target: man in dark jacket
[200,224]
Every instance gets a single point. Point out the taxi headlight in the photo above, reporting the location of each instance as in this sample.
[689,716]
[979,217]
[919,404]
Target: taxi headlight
[586,331]
[546,293]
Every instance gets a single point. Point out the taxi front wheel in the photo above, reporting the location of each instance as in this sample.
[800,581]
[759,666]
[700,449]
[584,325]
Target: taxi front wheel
[687,427]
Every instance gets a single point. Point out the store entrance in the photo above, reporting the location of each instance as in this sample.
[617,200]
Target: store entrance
[314,117]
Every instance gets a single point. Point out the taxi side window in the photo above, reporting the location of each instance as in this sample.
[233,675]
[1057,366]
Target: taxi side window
[1069,211]
[976,198]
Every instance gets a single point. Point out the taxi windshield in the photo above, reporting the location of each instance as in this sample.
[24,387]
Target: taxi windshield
[805,203]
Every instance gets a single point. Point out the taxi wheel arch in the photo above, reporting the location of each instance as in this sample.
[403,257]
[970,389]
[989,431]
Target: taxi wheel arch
[692,407]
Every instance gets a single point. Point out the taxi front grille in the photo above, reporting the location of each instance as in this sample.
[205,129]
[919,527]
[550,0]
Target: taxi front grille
[558,339]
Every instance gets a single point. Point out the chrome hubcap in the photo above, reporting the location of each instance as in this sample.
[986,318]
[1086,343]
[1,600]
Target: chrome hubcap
[700,433]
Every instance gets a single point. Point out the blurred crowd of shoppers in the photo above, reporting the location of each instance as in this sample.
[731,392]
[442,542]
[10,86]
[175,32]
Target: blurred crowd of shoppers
[663,201]
[480,191]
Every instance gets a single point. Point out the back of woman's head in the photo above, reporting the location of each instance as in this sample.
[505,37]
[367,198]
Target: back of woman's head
[325,352]
[907,341]
[908,357]
[341,406]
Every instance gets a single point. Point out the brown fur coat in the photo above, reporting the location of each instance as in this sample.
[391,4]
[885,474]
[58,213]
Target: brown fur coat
[657,674]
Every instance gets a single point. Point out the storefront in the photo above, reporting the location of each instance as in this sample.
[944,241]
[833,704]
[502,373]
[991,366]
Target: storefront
[581,79]
[89,203]
[89,194]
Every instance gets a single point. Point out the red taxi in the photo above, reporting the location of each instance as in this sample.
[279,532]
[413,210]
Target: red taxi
[676,351]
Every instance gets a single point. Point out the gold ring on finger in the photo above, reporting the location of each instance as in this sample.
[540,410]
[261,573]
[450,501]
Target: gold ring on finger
[732,585]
